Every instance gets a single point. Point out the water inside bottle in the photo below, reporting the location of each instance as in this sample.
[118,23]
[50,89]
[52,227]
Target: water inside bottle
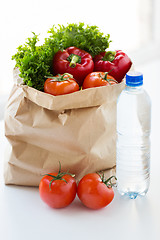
[133,143]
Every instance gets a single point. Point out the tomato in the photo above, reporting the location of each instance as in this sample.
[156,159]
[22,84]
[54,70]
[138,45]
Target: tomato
[58,190]
[94,191]
[98,79]
[61,84]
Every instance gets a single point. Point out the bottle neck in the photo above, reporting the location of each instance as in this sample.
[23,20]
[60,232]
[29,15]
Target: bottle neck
[134,88]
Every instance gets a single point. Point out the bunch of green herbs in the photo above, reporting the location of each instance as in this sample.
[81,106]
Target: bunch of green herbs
[35,62]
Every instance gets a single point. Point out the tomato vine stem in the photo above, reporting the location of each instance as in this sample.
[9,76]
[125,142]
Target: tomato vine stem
[59,176]
[105,77]
[108,182]
[60,77]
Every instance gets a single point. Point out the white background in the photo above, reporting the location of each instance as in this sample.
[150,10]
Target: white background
[134,28]
[130,23]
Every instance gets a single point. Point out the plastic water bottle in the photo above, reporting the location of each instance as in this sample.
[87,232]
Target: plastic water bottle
[133,138]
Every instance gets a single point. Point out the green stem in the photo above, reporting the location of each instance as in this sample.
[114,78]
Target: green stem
[74,59]
[60,77]
[109,56]
[105,77]
[59,176]
[107,182]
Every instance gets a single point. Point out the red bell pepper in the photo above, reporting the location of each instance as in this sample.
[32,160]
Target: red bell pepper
[117,63]
[75,61]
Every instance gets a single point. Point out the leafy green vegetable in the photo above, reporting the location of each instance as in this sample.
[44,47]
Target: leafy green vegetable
[35,62]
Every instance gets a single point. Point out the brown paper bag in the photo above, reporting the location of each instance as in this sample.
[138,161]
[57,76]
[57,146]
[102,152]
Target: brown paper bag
[77,129]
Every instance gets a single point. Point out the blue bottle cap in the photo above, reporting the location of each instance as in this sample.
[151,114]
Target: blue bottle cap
[134,79]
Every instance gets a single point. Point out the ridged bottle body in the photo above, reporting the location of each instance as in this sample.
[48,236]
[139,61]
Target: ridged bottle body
[133,141]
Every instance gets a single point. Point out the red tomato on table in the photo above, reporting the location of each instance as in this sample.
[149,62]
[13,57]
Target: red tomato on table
[94,191]
[58,190]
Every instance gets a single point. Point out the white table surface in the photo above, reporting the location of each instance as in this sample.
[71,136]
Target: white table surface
[24,216]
